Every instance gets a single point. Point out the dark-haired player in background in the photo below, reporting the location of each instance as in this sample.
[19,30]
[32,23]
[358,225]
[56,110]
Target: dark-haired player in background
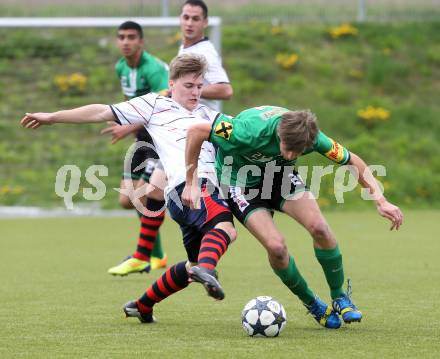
[140,73]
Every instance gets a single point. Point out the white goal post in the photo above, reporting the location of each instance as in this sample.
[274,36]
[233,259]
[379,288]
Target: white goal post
[215,23]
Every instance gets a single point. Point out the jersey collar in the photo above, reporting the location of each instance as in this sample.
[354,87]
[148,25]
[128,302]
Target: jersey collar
[198,42]
[143,59]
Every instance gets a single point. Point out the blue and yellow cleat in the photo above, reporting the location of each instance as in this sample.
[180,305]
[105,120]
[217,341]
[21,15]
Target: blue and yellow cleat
[344,306]
[324,314]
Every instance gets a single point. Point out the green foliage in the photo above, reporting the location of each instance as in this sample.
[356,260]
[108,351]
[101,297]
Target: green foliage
[339,94]
[433,54]
[393,66]
[22,44]
[384,71]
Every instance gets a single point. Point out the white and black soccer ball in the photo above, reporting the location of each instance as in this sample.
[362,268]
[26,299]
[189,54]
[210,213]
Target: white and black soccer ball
[263,317]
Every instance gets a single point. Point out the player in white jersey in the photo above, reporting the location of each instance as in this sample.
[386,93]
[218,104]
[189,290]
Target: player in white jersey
[167,122]
[193,22]
[207,232]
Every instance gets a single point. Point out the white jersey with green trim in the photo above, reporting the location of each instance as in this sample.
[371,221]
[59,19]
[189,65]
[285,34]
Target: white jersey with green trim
[167,122]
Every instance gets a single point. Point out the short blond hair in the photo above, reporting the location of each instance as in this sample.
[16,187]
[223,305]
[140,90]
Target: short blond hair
[298,130]
[185,64]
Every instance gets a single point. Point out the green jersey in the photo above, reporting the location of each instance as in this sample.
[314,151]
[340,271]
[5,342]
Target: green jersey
[251,138]
[150,75]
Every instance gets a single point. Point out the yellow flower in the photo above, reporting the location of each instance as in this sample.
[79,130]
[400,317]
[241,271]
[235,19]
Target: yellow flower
[356,74]
[422,192]
[17,190]
[62,82]
[275,30]
[77,80]
[387,51]
[286,61]
[323,202]
[342,31]
[4,190]
[386,185]
[374,114]
[177,37]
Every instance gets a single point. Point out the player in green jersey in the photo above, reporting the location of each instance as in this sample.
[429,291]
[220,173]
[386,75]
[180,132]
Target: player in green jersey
[256,152]
[140,73]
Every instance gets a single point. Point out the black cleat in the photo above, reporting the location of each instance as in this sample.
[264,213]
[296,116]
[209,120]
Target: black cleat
[207,277]
[131,310]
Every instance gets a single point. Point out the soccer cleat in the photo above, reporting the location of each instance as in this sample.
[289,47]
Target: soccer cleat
[324,314]
[131,310]
[344,306]
[157,263]
[130,265]
[207,277]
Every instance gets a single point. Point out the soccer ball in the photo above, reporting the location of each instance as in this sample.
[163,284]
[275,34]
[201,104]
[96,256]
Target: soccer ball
[263,317]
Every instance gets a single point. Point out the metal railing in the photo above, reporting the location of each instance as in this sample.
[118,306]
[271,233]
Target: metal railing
[234,10]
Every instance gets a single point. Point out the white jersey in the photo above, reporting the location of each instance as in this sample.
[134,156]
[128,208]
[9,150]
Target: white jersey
[167,123]
[215,74]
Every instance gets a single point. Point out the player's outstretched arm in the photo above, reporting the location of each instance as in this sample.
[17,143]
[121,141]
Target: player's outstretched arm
[195,137]
[366,179]
[85,114]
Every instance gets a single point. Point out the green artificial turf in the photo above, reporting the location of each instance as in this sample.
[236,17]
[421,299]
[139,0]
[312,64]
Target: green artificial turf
[57,301]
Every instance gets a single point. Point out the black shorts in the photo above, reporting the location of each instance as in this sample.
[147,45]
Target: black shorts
[270,195]
[194,223]
[143,160]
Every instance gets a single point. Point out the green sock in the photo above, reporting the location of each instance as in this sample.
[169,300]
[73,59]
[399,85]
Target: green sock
[157,248]
[292,278]
[331,263]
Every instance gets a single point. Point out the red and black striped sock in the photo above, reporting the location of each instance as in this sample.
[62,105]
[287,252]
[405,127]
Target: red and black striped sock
[151,220]
[213,245]
[173,280]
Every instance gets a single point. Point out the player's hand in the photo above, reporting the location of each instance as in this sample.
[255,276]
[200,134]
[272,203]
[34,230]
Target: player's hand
[118,132]
[165,93]
[191,196]
[35,120]
[392,212]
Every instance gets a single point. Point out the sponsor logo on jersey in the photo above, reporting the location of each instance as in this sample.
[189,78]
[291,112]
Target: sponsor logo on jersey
[259,157]
[274,112]
[336,153]
[224,129]
[296,179]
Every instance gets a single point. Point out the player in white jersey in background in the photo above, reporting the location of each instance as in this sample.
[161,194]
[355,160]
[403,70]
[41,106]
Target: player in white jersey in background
[207,232]
[193,22]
